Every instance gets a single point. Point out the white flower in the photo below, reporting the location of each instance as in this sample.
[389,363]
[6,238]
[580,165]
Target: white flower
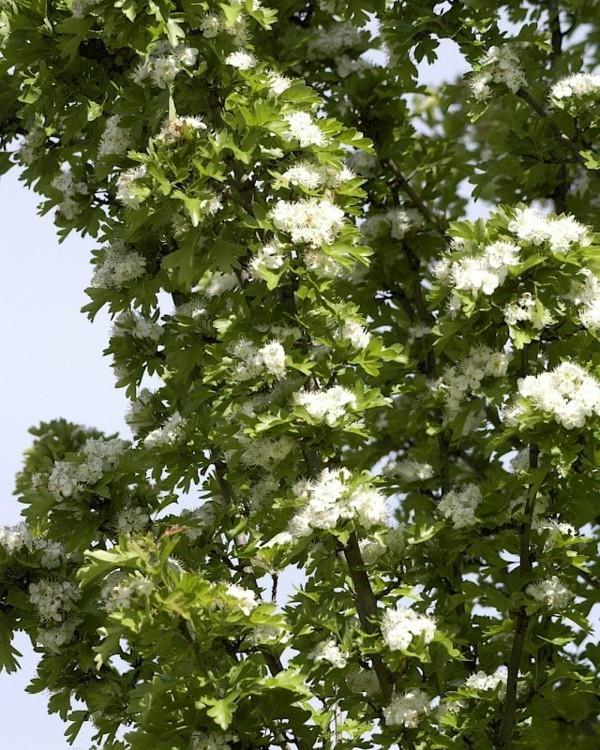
[67,478]
[356,334]
[312,221]
[329,42]
[173,130]
[327,499]
[121,588]
[164,63]
[586,296]
[270,256]
[460,506]
[483,681]
[479,85]
[550,592]
[400,626]
[575,86]
[331,652]
[53,599]
[115,139]
[304,129]
[526,310]
[568,394]
[243,598]
[117,267]
[14,538]
[502,65]
[304,175]
[169,433]
[467,376]
[211,25]
[265,452]
[138,326]
[53,637]
[327,405]
[273,357]
[278,83]
[219,283]
[241,60]
[556,531]
[132,520]
[407,709]
[371,550]
[485,272]
[129,192]
[559,232]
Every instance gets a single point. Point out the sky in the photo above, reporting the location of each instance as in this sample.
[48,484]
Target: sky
[52,366]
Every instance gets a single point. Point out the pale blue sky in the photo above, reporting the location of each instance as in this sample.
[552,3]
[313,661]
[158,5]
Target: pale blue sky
[52,366]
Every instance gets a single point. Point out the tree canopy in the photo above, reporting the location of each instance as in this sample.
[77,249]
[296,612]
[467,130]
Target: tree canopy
[336,379]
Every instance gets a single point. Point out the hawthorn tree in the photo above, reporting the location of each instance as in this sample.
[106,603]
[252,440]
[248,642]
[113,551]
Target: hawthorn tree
[361,391]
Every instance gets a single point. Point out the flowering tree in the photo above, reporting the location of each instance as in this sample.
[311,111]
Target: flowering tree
[360,391]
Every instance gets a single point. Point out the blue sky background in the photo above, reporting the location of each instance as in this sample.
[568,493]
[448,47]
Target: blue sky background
[52,366]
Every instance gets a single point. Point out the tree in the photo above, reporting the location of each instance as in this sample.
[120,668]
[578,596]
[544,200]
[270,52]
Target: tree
[362,387]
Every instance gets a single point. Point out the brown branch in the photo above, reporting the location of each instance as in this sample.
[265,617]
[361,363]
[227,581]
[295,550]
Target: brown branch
[366,606]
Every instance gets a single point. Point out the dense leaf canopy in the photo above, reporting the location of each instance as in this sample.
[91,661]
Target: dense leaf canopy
[337,381]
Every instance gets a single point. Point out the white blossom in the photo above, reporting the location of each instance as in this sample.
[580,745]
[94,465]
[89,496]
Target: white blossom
[129,192]
[53,599]
[117,267]
[303,128]
[460,506]
[132,520]
[68,478]
[312,221]
[121,588]
[170,432]
[410,470]
[278,83]
[330,41]
[14,538]
[484,272]
[407,709]
[243,598]
[484,682]
[399,627]
[550,592]
[211,25]
[576,86]
[356,333]
[499,65]
[568,394]
[585,295]
[164,63]
[241,60]
[327,499]
[270,256]
[56,636]
[559,232]
[526,309]
[328,405]
[174,128]
[329,651]
[468,374]
[115,139]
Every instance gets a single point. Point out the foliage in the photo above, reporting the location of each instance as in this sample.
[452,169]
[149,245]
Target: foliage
[361,391]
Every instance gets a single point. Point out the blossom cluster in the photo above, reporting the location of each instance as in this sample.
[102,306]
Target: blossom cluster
[467,376]
[115,139]
[303,128]
[328,405]
[585,295]
[164,63]
[483,272]
[578,85]
[118,266]
[398,222]
[65,183]
[68,478]
[499,65]
[121,589]
[407,709]
[484,682]
[558,232]
[526,309]
[460,505]
[253,360]
[568,394]
[328,499]
[312,221]
[401,625]
[53,599]
[309,176]
[330,652]
[550,592]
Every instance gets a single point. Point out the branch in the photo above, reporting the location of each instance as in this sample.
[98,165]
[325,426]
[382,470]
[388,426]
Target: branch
[366,606]
[434,222]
